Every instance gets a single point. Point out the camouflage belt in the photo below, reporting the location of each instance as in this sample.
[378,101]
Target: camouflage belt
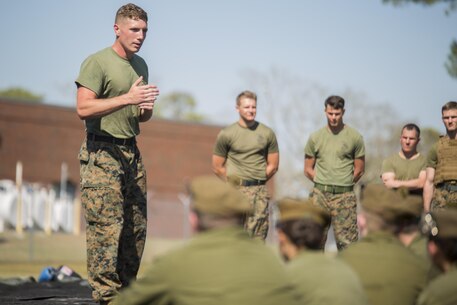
[334,189]
[112,140]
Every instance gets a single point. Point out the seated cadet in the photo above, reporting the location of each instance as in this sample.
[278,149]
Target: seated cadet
[320,279]
[390,273]
[441,228]
[221,265]
[409,233]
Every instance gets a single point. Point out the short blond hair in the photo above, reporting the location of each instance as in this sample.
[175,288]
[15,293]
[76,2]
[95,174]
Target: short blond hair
[246,94]
[131,11]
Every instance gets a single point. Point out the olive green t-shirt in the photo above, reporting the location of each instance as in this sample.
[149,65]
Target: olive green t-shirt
[390,273]
[441,291]
[324,280]
[246,150]
[217,267]
[404,169]
[335,154]
[109,75]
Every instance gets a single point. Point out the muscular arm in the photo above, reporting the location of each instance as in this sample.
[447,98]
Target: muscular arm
[429,188]
[88,104]
[219,168]
[309,167]
[359,168]
[390,181]
[272,164]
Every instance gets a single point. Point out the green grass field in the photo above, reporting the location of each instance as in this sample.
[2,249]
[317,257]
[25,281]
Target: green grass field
[27,254]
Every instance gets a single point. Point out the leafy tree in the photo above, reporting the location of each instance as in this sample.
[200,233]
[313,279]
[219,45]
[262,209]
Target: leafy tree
[21,93]
[451,64]
[452,3]
[178,106]
[429,136]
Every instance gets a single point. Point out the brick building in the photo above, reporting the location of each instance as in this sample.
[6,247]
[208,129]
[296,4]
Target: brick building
[42,137]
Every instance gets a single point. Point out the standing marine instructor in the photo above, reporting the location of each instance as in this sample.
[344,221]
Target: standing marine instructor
[113,97]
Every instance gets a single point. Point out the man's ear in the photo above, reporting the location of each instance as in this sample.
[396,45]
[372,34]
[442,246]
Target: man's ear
[193,220]
[362,224]
[116,29]
[432,248]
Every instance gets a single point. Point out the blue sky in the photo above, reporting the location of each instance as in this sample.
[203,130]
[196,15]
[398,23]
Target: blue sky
[394,55]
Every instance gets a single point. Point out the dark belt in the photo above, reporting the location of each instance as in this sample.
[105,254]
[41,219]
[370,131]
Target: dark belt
[334,189]
[252,182]
[241,182]
[416,192]
[112,140]
[450,187]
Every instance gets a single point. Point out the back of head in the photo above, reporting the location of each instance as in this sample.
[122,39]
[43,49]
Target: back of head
[217,203]
[302,222]
[389,209]
[131,11]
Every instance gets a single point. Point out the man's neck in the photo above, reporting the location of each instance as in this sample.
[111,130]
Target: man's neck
[336,129]
[121,51]
[409,155]
[452,135]
[246,124]
[407,238]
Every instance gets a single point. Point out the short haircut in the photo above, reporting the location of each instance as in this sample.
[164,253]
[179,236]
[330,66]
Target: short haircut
[131,11]
[449,106]
[335,101]
[246,94]
[448,247]
[412,126]
[303,232]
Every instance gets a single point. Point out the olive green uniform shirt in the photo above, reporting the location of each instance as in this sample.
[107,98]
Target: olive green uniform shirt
[419,247]
[442,290]
[404,169]
[109,75]
[390,273]
[335,154]
[217,267]
[324,280]
[246,150]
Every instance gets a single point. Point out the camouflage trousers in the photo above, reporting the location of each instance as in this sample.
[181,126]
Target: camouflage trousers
[257,223]
[443,198]
[343,210]
[113,195]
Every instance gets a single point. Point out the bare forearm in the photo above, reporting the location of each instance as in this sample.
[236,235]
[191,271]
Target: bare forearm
[89,105]
[270,171]
[309,170]
[93,108]
[429,188]
[359,169]
[310,173]
[221,172]
[218,165]
[410,184]
[357,175]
